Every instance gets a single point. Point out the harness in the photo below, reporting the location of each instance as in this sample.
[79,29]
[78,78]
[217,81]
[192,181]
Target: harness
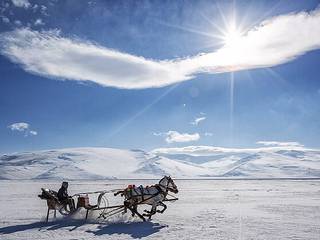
[145,197]
[142,194]
[149,196]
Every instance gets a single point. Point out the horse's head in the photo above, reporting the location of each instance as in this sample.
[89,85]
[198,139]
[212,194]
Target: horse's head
[168,183]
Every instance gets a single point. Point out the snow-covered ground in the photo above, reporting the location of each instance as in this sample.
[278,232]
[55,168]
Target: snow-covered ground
[187,162]
[206,209]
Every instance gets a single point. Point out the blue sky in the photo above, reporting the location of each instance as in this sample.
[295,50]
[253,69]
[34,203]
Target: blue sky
[137,74]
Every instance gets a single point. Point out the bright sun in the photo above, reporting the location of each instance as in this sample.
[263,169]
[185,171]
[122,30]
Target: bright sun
[232,37]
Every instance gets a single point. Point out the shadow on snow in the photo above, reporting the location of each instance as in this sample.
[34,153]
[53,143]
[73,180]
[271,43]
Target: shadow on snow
[134,229]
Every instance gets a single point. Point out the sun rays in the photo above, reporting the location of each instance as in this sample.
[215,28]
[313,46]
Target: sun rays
[232,38]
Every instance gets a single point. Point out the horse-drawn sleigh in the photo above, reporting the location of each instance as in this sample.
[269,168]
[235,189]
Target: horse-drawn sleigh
[154,195]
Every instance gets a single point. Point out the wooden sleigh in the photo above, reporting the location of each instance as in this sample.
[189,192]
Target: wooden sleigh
[55,205]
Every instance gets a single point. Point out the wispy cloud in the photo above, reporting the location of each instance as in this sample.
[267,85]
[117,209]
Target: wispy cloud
[23,128]
[32,132]
[48,53]
[17,22]
[158,134]
[5,19]
[198,120]
[174,136]
[280,144]
[21,3]
[38,22]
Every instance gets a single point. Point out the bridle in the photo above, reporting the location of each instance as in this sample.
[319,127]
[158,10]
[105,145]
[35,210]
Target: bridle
[166,187]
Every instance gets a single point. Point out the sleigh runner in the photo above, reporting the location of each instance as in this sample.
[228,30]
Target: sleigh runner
[154,195]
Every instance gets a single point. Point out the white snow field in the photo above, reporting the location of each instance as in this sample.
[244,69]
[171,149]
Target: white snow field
[187,162]
[206,209]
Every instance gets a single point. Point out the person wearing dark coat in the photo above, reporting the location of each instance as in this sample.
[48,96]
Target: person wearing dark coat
[63,196]
[63,192]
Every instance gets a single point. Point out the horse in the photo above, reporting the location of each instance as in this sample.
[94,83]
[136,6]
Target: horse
[153,195]
[53,203]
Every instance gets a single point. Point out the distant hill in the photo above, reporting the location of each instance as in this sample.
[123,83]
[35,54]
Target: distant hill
[265,162]
[190,162]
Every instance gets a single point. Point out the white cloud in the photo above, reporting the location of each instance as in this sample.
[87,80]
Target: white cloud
[275,41]
[157,134]
[4,6]
[35,7]
[18,22]
[198,120]
[5,19]
[280,144]
[43,10]
[23,127]
[21,3]
[38,22]
[174,136]
[49,54]
[208,134]
[32,132]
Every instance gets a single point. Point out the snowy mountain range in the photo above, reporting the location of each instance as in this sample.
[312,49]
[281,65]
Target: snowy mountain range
[187,162]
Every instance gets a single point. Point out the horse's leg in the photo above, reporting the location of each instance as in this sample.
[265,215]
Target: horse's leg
[152,212]
[164,207]
[153,203]
[134,211]
[125,209]
[147,212]
[131,206]
[47,215]
[135,207]
[126,205]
